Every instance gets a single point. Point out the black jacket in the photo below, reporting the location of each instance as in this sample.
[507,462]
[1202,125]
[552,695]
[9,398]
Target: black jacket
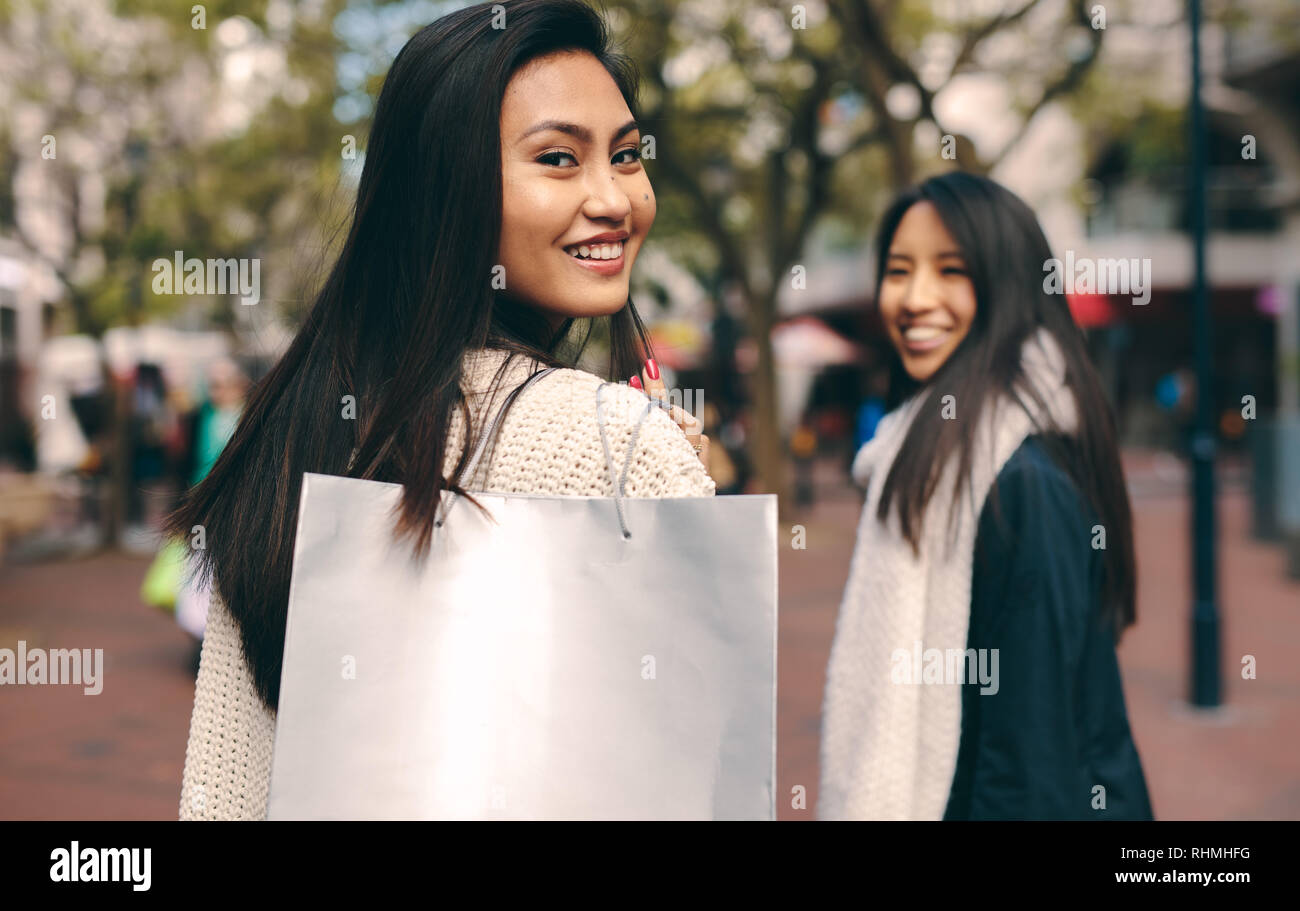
[1056,729]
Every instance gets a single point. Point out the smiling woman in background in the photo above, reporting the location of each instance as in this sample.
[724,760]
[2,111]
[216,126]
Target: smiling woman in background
[502,198]
[973,673]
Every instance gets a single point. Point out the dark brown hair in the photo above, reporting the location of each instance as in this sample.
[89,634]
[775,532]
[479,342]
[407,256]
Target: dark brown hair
[408,296]
[1005,253]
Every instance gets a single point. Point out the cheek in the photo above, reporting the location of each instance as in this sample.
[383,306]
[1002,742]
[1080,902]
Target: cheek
[532,214]
[644,206]
[964,308]
[888,303]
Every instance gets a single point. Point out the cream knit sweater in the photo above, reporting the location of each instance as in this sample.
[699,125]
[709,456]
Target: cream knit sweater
[549,443]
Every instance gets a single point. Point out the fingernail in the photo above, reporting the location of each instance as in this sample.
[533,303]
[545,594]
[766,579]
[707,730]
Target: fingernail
[635,383]
[652,369]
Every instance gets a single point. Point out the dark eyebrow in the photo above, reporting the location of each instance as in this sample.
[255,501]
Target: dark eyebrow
[946,254]
[580,133]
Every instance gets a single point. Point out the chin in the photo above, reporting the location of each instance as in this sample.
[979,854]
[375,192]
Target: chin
[604,306]
[922,370]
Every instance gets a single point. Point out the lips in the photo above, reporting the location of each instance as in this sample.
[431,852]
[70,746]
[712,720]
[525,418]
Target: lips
[605,238]
[595,251]
[920,339]
[599,266]
[601,253]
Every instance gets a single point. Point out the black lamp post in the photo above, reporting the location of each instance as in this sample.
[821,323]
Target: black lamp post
[1205,676]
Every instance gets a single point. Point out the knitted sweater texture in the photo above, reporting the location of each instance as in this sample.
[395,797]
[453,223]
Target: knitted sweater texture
[548,443]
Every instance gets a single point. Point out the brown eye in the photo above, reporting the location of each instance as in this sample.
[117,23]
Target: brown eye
[553,159]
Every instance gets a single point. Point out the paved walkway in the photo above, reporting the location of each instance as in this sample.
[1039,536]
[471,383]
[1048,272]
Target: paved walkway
[115,755]
[119,755]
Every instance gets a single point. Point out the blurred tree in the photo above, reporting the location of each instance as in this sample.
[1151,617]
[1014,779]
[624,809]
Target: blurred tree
[766,118]
[134,132]
[770,122]
[135,129]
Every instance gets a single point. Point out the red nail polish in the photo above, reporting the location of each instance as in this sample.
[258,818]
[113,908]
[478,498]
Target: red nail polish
[652,369]
[635,383]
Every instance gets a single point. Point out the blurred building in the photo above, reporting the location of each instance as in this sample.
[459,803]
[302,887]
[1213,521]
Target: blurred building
[1254,224]
[1132,209]
[28,295]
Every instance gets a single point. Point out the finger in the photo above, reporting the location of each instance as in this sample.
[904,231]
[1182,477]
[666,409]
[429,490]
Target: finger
[701,446]
[642,383]
[654,384]
[695,436]
[689,423]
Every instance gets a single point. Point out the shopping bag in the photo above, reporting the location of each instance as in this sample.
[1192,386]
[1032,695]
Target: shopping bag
[569,658]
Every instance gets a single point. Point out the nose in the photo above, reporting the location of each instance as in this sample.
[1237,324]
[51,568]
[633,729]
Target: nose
[922,294]
[606,200]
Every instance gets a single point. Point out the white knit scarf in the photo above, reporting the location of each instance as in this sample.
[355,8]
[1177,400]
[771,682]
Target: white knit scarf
[889,749]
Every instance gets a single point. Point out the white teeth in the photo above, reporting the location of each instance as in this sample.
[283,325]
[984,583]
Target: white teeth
[596,251]
[923,333]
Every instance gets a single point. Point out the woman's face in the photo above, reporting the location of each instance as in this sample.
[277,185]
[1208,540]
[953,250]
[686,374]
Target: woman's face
[576,204]
[927,300]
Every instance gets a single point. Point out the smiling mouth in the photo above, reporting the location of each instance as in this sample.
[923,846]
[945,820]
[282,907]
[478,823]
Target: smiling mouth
[596,251]
[603,259]
[920,339]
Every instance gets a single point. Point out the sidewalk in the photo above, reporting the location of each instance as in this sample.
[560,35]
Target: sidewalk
[119,755]
[115,755]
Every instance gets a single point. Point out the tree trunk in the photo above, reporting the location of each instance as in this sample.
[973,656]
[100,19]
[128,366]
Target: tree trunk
[766,445]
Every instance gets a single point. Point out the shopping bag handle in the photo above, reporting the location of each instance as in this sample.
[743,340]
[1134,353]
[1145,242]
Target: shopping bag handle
[488,433]
[620,484]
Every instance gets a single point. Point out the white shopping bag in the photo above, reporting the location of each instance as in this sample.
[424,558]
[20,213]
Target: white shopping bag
[580,658]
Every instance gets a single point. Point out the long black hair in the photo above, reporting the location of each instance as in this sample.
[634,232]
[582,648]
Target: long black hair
[1005,253]
[409,295]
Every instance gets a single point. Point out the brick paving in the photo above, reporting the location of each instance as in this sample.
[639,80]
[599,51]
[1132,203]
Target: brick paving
[115,755]
[119,755]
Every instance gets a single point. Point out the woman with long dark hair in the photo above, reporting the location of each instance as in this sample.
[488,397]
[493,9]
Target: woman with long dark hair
[973,673]
[502,199]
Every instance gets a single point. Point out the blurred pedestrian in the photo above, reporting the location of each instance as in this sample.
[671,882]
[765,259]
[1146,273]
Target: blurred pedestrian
[150,426]
[213,423]
[803,449]
[871,410]
[720,463]
[973,673]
